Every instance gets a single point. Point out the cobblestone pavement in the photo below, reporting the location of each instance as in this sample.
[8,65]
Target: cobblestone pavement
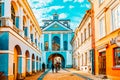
[62,75]
[67,74]
[84,74]
[34,76]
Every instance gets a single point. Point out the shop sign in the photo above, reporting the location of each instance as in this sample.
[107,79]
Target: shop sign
[117,41]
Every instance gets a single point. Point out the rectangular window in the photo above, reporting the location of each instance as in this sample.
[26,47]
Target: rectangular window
[101,1]
[81,38]
[89,30]
[117,57]
[84,34]
[115,18]
[101,28]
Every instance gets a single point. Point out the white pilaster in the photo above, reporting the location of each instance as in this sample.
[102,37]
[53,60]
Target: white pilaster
[30,65]
[21,21]
[61,41]
[50,43]
[69,58]
[35,64]
[7,8]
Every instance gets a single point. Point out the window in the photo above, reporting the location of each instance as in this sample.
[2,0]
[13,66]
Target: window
[13,14]
[81,38]
[101,1]
[46,46]
[65,45]
[82,59]
[102,27]
[89,30]
[85,59]
[117,56]
[84,34]
[115,18]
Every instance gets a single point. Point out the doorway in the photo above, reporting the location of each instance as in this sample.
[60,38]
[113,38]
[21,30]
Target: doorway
[102,62]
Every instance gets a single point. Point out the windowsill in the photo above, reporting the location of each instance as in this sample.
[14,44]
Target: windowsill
[116,68]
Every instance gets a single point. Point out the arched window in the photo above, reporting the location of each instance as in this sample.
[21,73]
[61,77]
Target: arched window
[13,14]
[65,45]
[117,56]
[56,43]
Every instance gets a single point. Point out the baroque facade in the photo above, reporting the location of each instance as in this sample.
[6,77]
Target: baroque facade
[20,33]
[107,37]
[56,38]
[82,45]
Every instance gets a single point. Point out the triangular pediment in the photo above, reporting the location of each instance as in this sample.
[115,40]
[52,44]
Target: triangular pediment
[56,26]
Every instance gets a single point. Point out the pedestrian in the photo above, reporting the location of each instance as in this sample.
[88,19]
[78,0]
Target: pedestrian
[43,67]
[56,67]
[52,67]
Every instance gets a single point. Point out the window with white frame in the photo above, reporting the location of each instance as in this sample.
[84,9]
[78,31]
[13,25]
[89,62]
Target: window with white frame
[102,27]
[101,1]
[115,18]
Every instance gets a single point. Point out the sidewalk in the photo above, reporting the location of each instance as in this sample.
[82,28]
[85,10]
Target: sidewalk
[84,74]
[34,76]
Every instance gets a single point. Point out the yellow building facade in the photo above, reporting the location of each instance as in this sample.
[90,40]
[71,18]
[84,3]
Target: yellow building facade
[20,51]
[107,29]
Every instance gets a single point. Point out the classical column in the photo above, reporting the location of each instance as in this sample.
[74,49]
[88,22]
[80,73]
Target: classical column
[50,42]
[61,41]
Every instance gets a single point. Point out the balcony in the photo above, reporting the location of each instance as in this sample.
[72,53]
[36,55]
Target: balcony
[6,22]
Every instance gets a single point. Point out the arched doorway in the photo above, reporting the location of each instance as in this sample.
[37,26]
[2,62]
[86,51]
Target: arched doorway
[37,63]
[56,58]
[17,63]
[27,62]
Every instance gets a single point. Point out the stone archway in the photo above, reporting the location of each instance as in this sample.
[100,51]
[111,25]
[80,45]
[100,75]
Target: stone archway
[17,62]
[53,58]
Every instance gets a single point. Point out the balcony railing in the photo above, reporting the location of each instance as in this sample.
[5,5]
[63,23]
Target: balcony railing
[6,22]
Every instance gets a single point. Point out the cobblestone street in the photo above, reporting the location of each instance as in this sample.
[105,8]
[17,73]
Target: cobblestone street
[67,74]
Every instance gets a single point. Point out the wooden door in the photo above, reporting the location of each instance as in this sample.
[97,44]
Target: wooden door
[102,63]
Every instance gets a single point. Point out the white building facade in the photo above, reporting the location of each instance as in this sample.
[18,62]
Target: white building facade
[82,45]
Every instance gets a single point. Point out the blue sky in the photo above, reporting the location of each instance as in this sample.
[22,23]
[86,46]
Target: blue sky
[67,9]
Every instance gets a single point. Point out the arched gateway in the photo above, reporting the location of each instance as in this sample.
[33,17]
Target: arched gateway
[54,58]
[55,42]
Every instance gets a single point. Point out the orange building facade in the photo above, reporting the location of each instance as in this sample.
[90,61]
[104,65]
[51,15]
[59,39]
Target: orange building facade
[107,38]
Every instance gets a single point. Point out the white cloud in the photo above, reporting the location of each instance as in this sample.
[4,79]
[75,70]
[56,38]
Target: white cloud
[62,16]
[39,3]
[87,5]
[79,1]
[67,0]
[55,7]
[71,6]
